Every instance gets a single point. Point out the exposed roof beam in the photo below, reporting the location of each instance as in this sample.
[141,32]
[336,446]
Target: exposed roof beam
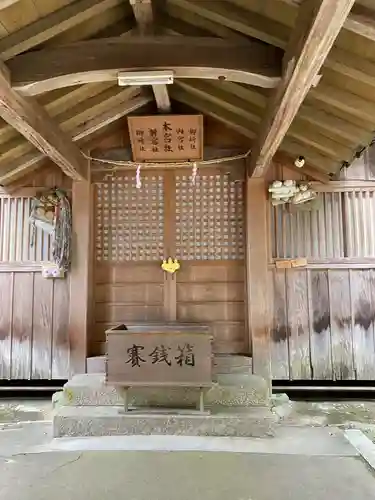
[251,62]
[316,32]
[70,118]
[7,3]
[144,15]
[51,25]
[308,136]
[212,17]
[82,132]
[33,122]
[242,126]
[357,22]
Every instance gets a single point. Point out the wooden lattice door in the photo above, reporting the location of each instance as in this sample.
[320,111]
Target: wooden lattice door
[200,224]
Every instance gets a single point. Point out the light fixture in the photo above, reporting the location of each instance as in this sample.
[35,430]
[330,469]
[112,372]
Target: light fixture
[138,78]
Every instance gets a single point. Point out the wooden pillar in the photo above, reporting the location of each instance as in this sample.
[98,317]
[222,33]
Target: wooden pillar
[81,272]
[257,276]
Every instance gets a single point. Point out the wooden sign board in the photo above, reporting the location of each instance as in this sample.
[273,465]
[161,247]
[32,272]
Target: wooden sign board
[166,138]
[158,359]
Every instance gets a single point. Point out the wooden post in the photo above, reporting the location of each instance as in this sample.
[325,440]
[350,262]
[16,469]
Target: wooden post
[81,273]
[257,276]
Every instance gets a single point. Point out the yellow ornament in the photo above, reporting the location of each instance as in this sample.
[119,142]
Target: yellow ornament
[170,265]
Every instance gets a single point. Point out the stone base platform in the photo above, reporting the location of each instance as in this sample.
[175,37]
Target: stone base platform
[70,421]
[229,390]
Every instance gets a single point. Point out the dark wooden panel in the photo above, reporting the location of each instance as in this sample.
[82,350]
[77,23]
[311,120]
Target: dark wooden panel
[22,325]
[42,328]
[362,284]
[60,341]
[134,293]
[207,292]
[5,324]
[298,319]
[211,311]
[123,313]
[280,330]
[320,325]
[341,324]
[133,273]
[211,272]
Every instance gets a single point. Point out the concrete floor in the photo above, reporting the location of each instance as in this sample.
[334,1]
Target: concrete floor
[140,475]
[303,461]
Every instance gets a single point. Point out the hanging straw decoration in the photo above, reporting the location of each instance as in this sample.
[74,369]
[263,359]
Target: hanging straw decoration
[194,173]
[138,181]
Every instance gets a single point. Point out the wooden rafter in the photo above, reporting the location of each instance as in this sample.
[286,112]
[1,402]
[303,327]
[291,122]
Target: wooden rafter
[7,3]
[82,132]
[301,131]
[101,60]
[311,44]
[51,25]
[33,122]
[144,15]
[240,124]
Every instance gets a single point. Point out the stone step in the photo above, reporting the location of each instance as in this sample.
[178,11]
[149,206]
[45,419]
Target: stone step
[229,390]
[70,421]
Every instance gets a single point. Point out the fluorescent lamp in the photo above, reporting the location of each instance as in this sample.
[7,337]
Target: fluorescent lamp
[145,78]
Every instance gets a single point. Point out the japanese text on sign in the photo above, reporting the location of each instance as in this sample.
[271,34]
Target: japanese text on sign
[159,358]
[166,138]
[162,354]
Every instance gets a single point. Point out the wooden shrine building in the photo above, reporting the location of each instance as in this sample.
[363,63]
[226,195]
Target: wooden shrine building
[283,89]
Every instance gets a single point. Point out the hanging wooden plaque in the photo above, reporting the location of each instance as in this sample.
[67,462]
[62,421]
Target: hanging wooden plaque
[166,138]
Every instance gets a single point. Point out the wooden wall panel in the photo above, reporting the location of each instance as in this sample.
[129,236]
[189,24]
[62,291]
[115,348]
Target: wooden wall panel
[280,331]
[320,324]
[34,340]
[42,328]
[341,329]
[213,292]
[323,324]
[6,298]
[61,346]
[298,317]
[23,314]
[362,322]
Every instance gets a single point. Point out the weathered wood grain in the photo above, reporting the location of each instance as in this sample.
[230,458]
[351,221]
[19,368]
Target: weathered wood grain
[22,339]
[320,325]
[316,29]
[341,325]
[362,322]
[61,64]
[298,321]
[42,328]
[33,122]
[60,348]
[280,331]
[5,324]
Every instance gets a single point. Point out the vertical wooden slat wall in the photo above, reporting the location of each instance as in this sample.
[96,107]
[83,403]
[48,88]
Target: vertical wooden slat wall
[34,340]
[324,314]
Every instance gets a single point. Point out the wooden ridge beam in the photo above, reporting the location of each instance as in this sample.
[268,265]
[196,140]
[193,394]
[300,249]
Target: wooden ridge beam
[317,30]
[79,134]
[144,15]
[33,122]
[100,60]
